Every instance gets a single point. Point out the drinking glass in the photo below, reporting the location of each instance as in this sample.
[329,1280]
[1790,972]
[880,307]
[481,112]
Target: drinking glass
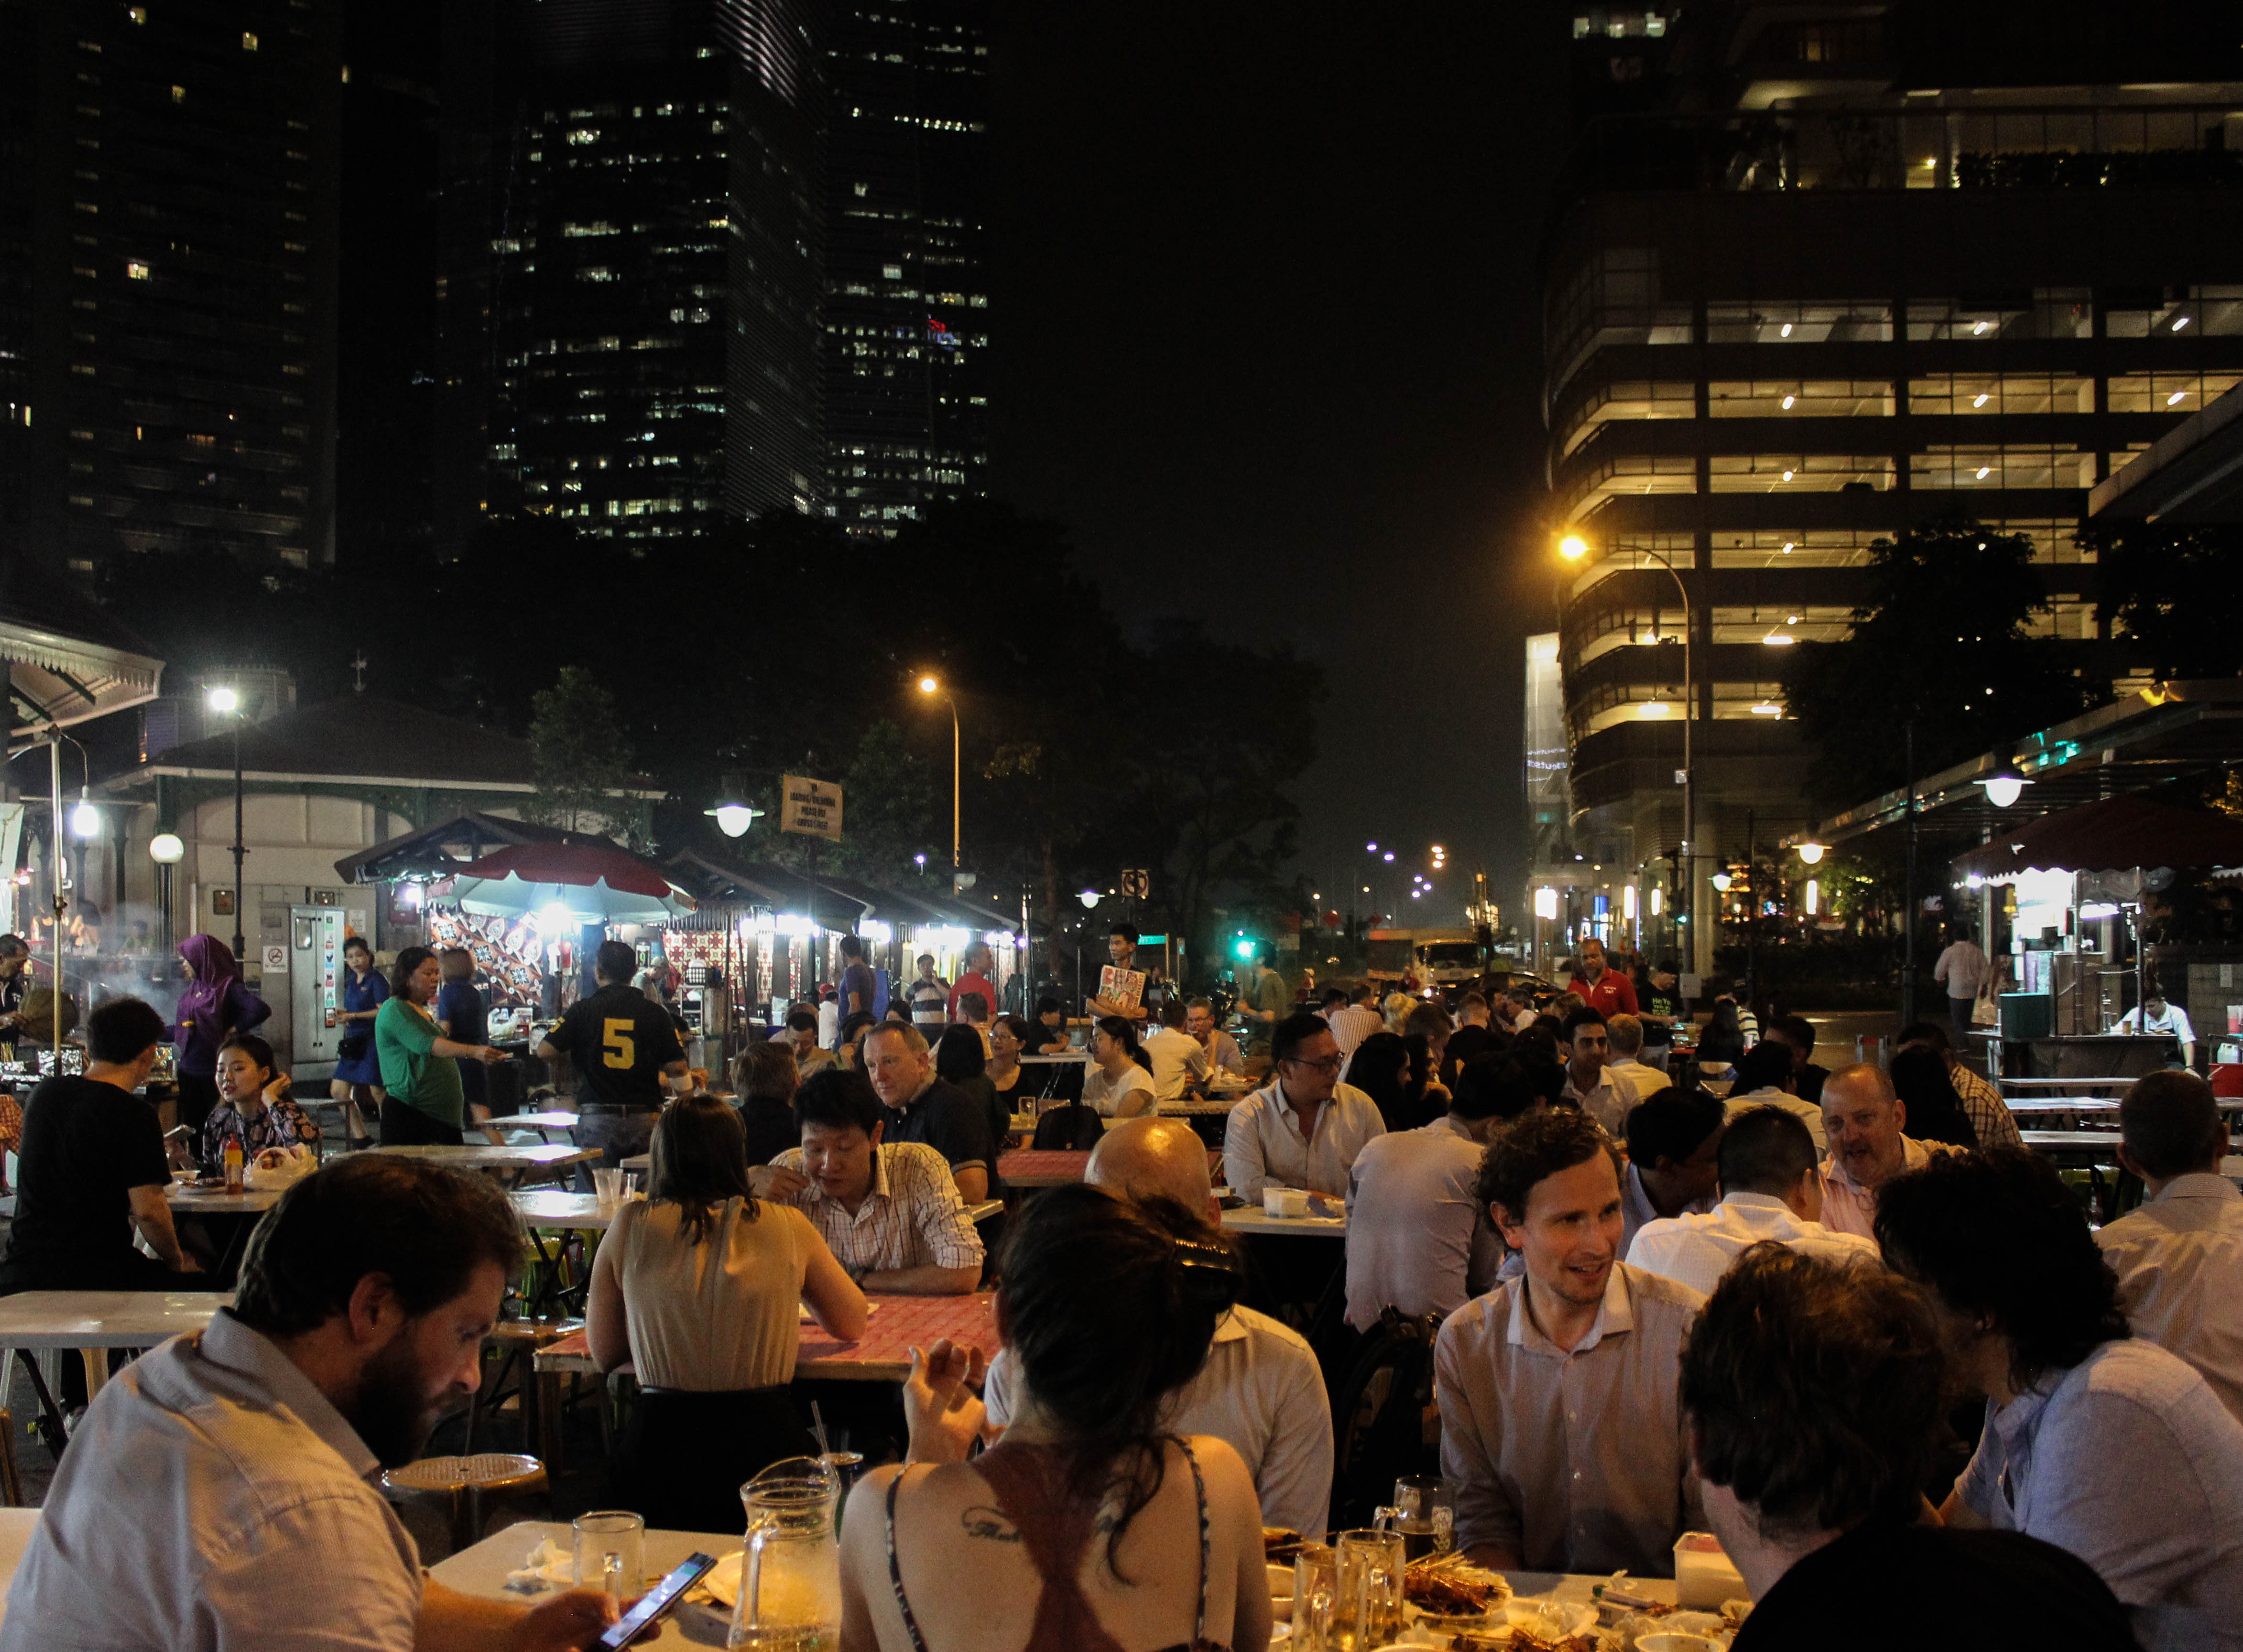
[1368,1610]
[1425,1510]
[1316,1593]
[608,1188]
[611,1551]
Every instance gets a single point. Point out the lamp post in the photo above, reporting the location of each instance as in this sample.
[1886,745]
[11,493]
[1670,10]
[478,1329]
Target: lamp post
[166,851]
[1573,547]
[929,685]
[227,702]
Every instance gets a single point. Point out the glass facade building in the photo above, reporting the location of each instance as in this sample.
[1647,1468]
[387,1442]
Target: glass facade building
[168,224]
[1776,334]
[654,278]
[906,286]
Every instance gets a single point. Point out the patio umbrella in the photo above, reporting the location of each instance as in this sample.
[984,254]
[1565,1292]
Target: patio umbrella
[591,882]
[2112,834]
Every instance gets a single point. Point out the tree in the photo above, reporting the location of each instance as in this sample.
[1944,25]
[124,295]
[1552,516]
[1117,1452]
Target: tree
[1941,643]
[577,754]
[2159,581]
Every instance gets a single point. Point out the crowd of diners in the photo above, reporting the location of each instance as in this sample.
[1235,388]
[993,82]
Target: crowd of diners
[1658,1312]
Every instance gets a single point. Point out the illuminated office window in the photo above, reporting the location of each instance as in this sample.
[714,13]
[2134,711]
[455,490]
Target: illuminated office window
[1799,399]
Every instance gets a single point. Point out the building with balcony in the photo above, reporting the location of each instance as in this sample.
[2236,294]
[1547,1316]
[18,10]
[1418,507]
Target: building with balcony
[168,222]
[1835,306]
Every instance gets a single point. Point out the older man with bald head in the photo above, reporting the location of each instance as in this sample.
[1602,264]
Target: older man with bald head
[1260,1390]
[1864,1125]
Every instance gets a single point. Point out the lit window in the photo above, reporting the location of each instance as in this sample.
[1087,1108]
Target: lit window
[135,270]
[248,41]
[892,272]
[138,13]
[178,94]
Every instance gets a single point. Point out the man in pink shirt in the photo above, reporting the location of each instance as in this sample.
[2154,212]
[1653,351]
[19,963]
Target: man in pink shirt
[1863,1121]
[1603,990]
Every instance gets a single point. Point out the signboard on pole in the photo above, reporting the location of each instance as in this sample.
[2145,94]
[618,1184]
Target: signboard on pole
[810,806]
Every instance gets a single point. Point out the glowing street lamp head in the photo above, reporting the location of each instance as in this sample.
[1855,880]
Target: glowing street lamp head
[165,849]
[928,685]
[84,821]
[734,818]
[224,700]
[1811,853]
[1572,548]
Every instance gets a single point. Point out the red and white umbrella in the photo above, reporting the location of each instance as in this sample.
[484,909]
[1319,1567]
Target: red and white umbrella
[580,883]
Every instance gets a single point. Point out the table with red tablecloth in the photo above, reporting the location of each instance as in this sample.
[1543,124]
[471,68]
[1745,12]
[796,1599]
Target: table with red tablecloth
[883,1354]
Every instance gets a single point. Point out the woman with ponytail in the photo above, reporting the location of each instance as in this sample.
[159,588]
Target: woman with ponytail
[1086,1529]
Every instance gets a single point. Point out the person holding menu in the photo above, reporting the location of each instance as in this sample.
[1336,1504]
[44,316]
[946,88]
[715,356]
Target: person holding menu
[1121,982]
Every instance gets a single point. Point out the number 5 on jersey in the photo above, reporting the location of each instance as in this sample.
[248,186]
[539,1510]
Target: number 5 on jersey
[617,1048]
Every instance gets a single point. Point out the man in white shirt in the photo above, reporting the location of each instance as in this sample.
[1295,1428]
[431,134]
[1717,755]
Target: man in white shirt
[1418,1239]
[1304,1129]
[1223,1051]
[1766,1077]
[222,1492]
[1865,1125]
[1352,1019]
[1673,1141]
[1590,1082]
[1560,1418]
[1962,969]
[2180,1257]
[1179,1060]
[2154,1016]
[1261,1391]
[1624,1044]
[1771,1190]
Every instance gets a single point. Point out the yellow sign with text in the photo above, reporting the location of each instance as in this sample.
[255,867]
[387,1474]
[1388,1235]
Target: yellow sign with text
[810,806]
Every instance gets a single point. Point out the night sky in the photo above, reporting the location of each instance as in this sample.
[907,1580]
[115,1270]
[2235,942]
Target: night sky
[1267,300]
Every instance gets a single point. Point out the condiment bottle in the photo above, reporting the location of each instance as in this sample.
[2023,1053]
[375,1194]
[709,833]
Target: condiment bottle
[234,1165]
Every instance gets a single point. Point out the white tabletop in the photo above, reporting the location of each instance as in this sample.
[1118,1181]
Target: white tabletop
[481,1570]
[1063,1056]
[214,1201]
[537,1121]
[1251,1219]
[550,1208]
[481,1155]
[103,1319]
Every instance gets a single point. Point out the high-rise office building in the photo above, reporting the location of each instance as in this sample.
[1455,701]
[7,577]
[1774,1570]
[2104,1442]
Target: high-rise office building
[1848,296]
[168,212]
[651,301]
[906,288]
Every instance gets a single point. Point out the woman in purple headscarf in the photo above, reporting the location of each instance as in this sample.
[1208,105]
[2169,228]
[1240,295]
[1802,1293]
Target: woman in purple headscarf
[216,1005]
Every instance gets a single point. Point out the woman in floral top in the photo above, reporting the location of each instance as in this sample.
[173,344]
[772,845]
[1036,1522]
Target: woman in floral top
[254,1106]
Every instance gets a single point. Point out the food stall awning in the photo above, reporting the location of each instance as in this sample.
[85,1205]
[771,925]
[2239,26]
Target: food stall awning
[2115,835]
[836,902]
[2191,474]
[2166,732]
[440,850]
[582,880]
[67,660]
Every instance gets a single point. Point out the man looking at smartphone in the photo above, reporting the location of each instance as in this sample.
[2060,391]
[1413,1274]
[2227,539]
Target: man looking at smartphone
[233,1475]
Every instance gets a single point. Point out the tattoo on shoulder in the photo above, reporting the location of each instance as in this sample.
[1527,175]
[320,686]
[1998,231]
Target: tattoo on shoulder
[982,1521]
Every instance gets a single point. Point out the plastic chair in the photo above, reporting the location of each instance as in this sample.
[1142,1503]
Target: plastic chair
[2227,1080]
[466,1488]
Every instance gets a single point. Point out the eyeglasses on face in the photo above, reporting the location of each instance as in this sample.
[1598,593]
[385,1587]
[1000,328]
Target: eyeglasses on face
[1329,1064]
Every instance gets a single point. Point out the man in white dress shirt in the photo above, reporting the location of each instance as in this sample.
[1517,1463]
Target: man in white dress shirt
[1624,1045]
[1590,1082]
[1352,1018]
[1304,1129]
[1771,1190]
[1261,1391]
[1179,1059]
[2180,1257]
[1673,1140]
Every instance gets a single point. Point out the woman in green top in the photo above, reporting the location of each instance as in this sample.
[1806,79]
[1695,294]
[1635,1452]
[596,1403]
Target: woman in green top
[420,1066]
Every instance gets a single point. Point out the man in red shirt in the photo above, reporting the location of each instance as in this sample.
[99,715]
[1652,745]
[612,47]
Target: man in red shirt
[1604,990]
[978,962]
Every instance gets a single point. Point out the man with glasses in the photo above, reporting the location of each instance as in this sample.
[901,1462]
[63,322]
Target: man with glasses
[1304,1129]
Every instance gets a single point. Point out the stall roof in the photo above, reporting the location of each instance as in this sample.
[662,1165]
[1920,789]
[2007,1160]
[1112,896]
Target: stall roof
[2191,474]
[832,898]
[66,659]
[439,850]
[2113,834]
[2165,732]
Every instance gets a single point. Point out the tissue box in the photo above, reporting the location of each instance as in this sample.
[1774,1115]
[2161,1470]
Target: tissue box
[1703,1574]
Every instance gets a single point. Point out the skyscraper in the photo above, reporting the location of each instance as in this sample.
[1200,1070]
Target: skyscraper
[1877,281]
[652,295]
[906,288]
[168,211]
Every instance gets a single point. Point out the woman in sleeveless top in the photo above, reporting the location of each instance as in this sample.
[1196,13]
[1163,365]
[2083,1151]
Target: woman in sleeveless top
[1084,1530]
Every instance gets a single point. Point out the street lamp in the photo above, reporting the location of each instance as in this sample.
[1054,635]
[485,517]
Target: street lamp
[226,702]
[84,820]
[1573,547]
[733,816]
[931,686]
[1811,853]
[166,851]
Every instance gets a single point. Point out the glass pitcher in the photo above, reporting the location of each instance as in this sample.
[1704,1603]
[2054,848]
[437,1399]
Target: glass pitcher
[789,1597]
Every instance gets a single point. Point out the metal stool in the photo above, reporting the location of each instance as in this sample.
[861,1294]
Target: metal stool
[11,1484]
[466,1487]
